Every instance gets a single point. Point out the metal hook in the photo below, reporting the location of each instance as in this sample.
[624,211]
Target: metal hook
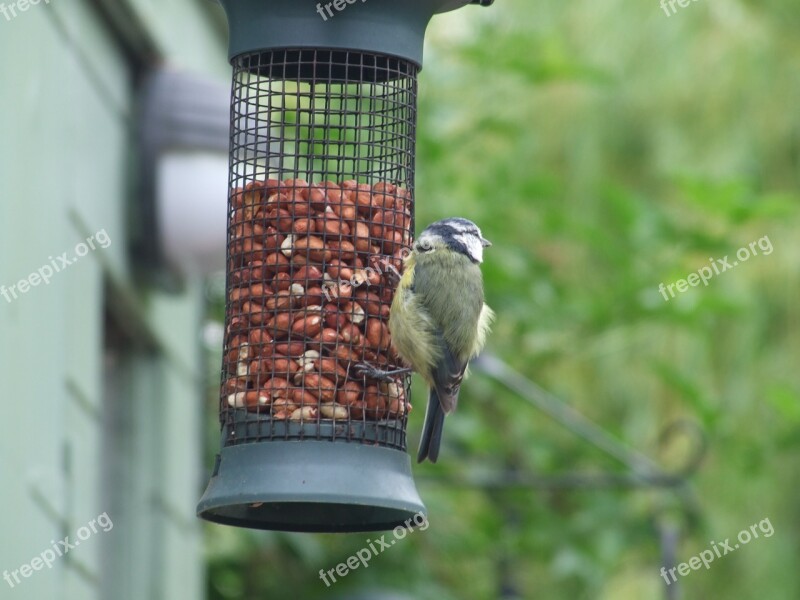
[643,472]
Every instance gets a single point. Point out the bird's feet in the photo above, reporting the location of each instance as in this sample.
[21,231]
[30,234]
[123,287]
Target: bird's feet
[370,372]
[393,276]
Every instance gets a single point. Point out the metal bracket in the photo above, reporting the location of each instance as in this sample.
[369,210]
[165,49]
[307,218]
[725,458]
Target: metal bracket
[642,471]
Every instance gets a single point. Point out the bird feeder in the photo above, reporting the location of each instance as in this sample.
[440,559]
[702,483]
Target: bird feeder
[320,216]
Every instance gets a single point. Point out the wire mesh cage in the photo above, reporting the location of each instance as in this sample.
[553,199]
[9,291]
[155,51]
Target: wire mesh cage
[320,218]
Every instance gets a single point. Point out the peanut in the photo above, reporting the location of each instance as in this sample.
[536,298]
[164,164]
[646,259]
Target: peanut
[312,247]
[290,349]
[320,386]
[306,413]
[349,394]
[311,276]
[307,326]
[333,411]
[303,397]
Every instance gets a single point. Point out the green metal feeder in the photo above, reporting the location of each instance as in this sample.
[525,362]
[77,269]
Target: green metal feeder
[320,214]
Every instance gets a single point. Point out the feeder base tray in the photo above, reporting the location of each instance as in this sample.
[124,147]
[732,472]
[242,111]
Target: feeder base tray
[311,486]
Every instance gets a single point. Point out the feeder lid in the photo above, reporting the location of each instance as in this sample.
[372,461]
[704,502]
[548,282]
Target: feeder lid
[372,26]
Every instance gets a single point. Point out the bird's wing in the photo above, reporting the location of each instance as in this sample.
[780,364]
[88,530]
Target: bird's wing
[431,438]
[442,400]
[447,377]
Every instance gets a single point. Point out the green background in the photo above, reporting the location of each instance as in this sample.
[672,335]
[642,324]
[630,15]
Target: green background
[605,148]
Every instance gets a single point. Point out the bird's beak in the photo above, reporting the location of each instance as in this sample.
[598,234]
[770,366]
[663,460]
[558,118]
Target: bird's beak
[485,243]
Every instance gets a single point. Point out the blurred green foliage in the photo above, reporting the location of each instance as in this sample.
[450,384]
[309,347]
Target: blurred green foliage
[605,148]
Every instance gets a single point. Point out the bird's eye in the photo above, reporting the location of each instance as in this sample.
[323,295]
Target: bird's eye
[424,245]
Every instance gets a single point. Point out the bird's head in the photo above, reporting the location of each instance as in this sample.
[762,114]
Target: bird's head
[457,234]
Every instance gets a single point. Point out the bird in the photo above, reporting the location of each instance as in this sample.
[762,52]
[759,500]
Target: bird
[438,318]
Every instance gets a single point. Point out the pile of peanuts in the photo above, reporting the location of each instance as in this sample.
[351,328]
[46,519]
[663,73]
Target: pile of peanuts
[312,272]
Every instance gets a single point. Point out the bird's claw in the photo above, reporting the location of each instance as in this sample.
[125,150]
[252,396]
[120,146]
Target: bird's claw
[370,372]
[393,277]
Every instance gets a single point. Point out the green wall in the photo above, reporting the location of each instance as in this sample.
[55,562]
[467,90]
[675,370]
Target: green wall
[101,376]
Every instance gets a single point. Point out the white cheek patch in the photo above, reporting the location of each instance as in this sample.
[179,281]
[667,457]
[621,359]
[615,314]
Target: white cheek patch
[473,245]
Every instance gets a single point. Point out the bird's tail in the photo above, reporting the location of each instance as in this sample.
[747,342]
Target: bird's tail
[432,429]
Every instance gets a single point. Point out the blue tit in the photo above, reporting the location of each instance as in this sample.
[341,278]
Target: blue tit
[438,318]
